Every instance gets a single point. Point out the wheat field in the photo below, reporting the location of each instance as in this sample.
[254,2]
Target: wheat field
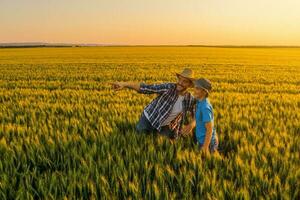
[65,134]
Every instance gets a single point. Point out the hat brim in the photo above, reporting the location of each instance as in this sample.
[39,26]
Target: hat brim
[191,79]
[206,90]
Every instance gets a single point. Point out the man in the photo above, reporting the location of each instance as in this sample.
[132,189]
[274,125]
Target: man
[168,110]
[204,119]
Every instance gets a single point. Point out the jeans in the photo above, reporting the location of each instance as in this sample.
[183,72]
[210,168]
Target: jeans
[144,126]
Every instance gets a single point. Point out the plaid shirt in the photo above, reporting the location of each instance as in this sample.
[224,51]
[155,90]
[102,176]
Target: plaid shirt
[159,109]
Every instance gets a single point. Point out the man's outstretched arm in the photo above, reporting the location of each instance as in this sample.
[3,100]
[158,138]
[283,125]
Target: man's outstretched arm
[144,88]
[130,85]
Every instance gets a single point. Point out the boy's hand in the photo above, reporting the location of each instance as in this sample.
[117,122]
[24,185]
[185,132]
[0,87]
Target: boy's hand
[205,148]
[205,153]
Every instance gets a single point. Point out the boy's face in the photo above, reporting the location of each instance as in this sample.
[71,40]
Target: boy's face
[199,93]
[183,83]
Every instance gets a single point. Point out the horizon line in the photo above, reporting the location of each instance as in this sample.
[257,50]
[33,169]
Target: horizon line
[62,44]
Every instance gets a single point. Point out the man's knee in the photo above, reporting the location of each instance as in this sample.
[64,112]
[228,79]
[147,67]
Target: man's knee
[144,126]
[139,128]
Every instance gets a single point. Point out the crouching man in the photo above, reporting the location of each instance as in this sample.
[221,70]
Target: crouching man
[166,113]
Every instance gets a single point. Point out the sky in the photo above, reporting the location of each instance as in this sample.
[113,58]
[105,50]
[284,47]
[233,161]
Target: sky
[151,22]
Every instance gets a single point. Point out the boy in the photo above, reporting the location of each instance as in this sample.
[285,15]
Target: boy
[204,117]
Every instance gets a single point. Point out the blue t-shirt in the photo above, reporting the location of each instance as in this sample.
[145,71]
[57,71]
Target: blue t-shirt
[204,114]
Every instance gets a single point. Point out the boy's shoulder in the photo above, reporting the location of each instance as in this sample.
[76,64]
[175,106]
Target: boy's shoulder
[204,105]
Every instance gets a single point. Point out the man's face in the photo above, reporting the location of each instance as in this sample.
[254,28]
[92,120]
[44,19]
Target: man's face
[183,83]
[199,93]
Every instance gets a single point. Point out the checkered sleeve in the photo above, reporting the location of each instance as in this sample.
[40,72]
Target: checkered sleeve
[155,88]
[191,105]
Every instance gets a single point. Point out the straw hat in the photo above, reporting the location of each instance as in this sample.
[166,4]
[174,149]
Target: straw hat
[187,73]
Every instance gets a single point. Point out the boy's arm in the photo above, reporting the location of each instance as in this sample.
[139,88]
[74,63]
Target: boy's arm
[208,135]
